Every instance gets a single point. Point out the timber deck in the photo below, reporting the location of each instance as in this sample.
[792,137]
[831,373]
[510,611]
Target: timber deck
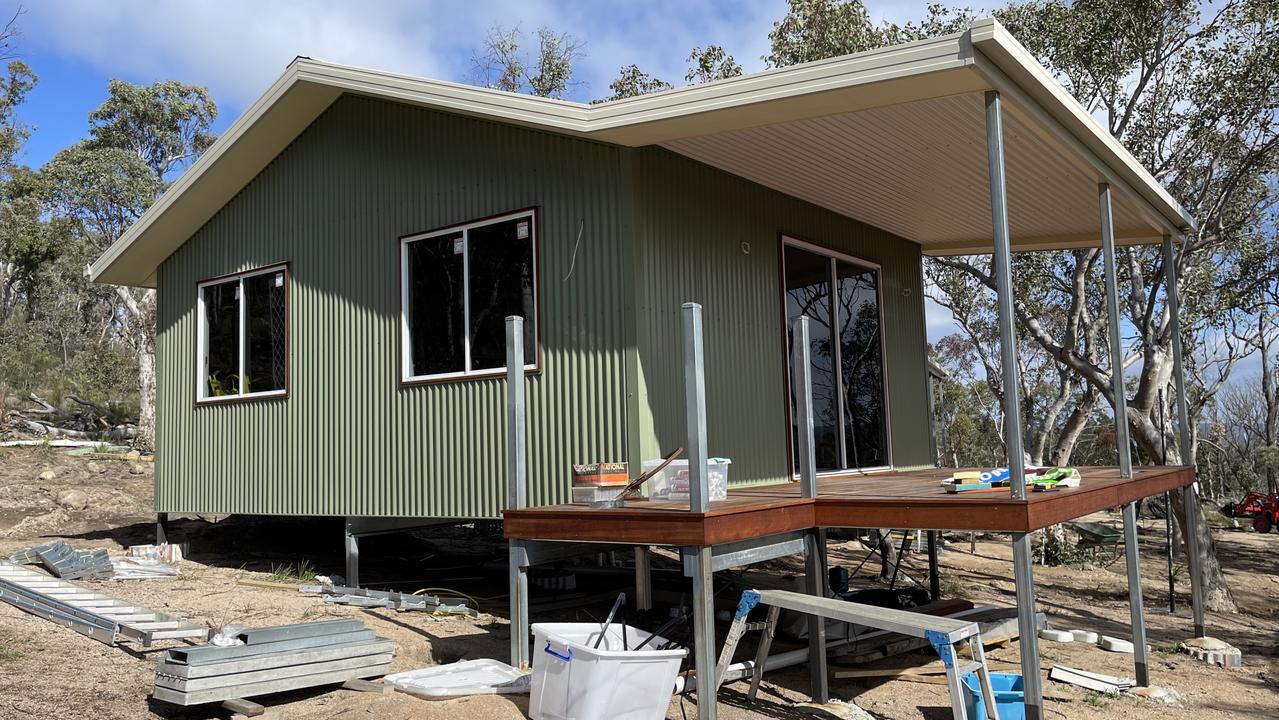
[907,499]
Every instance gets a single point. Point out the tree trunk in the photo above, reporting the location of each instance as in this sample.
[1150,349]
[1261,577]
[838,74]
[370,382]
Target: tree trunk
[146,372]
[140,329]
[1217,595]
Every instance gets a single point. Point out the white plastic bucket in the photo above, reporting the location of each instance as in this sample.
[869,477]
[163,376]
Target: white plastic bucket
[572,680]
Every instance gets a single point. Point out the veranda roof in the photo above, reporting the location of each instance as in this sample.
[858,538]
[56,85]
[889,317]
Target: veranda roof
[894,137]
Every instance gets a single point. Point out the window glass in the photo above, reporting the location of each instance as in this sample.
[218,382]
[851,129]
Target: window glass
[862,365]
[500,257]
[265,325]
[437,328]
[222,338]
[459,288]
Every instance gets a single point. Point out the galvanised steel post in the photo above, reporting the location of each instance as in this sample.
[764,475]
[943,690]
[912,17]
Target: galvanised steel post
[1122,443]
[802,382]
[517,486]
[695,408]
[1190,495]
[815,539]
[704,631]
[1023,560]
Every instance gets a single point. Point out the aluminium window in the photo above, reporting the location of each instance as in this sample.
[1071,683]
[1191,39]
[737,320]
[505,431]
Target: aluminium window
[457,287]
[243,335]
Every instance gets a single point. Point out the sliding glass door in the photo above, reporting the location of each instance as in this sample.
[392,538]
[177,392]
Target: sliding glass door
[840,296]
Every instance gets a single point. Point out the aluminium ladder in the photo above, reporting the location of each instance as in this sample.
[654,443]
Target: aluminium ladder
[943,633]
[96,615]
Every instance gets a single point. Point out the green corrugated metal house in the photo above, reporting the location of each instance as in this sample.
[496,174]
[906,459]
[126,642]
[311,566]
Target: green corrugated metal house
[333,273]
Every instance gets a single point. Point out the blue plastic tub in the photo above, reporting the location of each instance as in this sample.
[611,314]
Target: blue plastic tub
[1010,696]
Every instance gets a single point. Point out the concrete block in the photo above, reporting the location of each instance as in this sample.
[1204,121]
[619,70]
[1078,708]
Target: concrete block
[1060,636]
[1114,644]
[1212,651]
[1085,636]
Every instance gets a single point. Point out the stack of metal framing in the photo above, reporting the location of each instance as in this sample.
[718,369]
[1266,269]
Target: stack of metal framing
[66,562]
[363,597]
[97,615]
[271,660]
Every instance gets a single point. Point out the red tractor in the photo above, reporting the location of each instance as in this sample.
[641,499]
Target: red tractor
[1263,509]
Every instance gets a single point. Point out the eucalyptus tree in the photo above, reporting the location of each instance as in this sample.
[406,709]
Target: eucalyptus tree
[504,64]
[139,138]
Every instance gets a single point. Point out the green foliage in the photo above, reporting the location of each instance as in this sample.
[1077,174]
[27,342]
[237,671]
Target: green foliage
[503,64]
[631,82]
[713,63]
[819,29]
[302,572]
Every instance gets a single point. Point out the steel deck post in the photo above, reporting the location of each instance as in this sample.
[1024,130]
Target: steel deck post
[161,528]
[815,539]
[643,578]
[1190,495]
[802,388]
[352,555]
[695,408]
[704,631]
[517,486]
[1023,561]
[1123,445]
[934,579]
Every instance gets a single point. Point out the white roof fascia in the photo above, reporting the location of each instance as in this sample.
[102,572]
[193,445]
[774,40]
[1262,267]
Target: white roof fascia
[1013,71]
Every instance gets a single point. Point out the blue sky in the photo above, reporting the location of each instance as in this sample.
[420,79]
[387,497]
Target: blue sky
[236,48]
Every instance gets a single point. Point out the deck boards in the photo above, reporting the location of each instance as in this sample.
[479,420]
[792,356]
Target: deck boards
[904,499]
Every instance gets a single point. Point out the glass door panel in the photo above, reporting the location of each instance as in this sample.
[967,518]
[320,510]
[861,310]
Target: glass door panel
[808,292]
[861,365]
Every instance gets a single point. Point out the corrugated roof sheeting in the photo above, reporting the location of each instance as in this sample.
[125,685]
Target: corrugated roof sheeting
[349,439]
[918,170]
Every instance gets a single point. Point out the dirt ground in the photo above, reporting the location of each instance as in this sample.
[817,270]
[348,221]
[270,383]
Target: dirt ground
[51,672]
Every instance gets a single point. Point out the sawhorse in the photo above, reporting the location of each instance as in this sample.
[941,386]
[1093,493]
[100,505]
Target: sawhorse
[943,633]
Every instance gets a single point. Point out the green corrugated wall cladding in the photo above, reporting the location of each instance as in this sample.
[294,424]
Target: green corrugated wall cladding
[349,440]
[656,230]
[692,221]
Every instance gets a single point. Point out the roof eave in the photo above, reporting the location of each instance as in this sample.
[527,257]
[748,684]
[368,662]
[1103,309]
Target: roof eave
[1012,69]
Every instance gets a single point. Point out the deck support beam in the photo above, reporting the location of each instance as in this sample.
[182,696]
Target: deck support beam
[1123,445]
[1002,258]
[1190,495]
[517,487]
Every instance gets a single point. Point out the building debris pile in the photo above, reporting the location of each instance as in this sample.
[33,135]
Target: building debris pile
[268,660]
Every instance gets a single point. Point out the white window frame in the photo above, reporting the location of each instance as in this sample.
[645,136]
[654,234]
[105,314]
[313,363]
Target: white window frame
[832,255]
[406,345]
[202,336]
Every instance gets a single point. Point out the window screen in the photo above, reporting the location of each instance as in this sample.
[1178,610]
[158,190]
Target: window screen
[460,285]
[243,343]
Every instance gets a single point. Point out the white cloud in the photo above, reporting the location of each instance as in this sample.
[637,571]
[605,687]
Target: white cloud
[236,48]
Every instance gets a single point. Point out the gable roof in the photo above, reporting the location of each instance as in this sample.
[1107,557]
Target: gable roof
[894,137]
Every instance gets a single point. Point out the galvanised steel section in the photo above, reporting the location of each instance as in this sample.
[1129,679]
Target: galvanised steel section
[802,379]
[695,409]
[1122,445]
[1023,562]
[1190,495]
